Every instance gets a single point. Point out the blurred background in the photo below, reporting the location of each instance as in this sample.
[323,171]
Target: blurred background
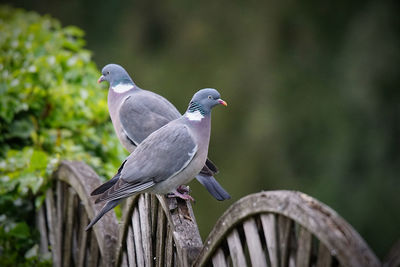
[312,88]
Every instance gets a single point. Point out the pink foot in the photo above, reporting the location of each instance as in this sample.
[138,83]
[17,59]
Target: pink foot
[184,196]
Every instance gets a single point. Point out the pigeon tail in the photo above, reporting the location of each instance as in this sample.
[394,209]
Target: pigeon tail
[107,207]
[107,185]
[213,187]
[211,166]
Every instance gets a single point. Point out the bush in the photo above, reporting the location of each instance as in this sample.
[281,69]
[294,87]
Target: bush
[50,109]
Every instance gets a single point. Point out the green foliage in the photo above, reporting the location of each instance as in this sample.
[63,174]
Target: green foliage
[50,109]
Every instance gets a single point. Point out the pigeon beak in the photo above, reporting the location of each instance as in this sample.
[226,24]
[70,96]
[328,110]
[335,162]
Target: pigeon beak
[222,102]
[100,79]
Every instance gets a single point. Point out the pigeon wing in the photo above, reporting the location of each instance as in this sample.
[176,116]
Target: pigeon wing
[144,112]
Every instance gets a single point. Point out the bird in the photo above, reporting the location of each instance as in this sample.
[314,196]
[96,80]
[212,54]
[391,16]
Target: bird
[136,113]
[168,157]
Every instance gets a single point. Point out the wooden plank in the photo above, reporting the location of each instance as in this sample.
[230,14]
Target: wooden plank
[169,247]
[185,231]
[41,225]
[269,226]
[52,224]
[130,247]
[219,259]
[256,252]
[154,214]
[303,248]
[94,251]
[137,237]
[145,228]
[284,226]
[60,190]
[161,237]
[236,249]
[324,256]
[124,261]
[69,216]
[82,240]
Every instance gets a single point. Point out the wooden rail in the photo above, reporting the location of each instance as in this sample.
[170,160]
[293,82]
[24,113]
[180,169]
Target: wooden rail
[275,228]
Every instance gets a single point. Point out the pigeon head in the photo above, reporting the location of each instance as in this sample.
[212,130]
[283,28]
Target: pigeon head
[204,100]
[115,74]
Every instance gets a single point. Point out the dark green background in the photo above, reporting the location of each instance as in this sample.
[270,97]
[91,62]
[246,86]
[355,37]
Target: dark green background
[312,88]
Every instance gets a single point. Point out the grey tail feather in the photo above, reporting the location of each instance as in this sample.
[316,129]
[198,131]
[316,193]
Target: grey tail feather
[213,187]
[212,166]
[107,207]
[107,185]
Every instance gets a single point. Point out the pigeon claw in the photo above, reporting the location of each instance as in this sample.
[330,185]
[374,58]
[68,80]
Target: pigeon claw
[184,196]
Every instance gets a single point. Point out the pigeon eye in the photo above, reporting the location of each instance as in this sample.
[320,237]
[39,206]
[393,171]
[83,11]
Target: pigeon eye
[108,72]
[209,97]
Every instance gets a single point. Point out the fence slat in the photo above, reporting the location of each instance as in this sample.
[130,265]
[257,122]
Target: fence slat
[137,235]
[236,249]
[269,226]
[52,224]
[303,248]
[324,256]
[60,189]
[219,259]
[284,226]
[130,247]
[161,236]
[257,255]
[67,251]
[82,240]
[169,247]
[145,228]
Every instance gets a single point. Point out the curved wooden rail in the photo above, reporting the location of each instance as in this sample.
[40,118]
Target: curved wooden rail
[155,231]
[284,228]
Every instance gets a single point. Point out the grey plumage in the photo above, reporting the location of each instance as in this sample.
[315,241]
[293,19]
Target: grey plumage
[136,113]
[167,158]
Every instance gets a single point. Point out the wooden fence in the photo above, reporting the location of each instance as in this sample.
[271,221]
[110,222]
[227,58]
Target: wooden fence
[275,228]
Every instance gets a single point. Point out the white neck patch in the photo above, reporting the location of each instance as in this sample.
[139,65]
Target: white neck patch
[194,116]
[122,87]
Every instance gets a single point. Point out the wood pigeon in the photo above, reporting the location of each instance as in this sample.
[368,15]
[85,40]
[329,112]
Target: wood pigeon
[167,158]
[136,113]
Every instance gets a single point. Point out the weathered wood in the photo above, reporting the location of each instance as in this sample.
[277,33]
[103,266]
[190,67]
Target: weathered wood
[161,237]
[303,248]
[126,221]
[52,224]
[137,235]
[60,190]
[41,225]
[130,246]
[145,228]
[324,256]
[67,246]
[319,219]
[185,231]
[82,241]
[94,252]
[284,227]
[257,255]
[169,247]
[269,226]
[392,259]
[84,180]
[236,249]
[219,259]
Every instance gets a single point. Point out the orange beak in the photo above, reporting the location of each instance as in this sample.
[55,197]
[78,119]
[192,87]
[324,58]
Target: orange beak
[222,102]
[100,79]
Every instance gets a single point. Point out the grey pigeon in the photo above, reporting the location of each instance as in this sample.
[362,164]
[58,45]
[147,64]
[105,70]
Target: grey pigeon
[167,158]
[136,113]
